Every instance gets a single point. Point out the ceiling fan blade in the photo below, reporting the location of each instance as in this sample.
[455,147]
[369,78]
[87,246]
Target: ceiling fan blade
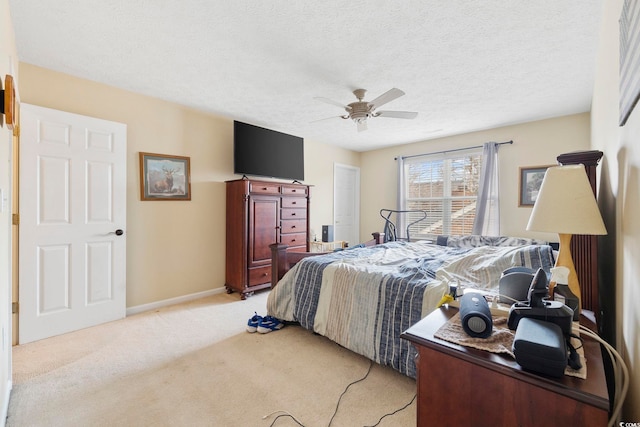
[388,96]
[397,114]
[332,102]
[362,125]
[329,118]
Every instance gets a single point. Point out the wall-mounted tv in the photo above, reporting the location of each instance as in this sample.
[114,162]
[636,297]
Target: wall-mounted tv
[264,152]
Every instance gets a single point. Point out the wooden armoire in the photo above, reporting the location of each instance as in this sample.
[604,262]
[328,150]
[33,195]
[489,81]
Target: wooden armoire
[260,213]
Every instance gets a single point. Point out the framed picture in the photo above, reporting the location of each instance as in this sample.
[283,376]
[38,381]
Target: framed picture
[164,177]
[629,58]
[530,182]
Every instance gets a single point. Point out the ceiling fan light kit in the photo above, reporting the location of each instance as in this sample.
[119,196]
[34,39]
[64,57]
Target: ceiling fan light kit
[360,110]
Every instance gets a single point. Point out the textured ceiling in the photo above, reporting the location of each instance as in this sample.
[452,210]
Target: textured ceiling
[464,65]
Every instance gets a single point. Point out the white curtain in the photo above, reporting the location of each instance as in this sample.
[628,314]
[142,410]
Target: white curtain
[402,195]
[487,221]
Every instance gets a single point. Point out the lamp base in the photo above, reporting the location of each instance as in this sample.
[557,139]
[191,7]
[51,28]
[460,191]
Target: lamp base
[566,260]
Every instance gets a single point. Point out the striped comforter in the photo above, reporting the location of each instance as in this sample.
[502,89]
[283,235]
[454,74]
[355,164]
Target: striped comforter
[364,298]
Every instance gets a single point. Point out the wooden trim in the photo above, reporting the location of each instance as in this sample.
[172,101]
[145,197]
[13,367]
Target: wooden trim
[9,102]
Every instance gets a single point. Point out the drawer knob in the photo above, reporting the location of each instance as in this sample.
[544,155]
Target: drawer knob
[293,226]
[293,214]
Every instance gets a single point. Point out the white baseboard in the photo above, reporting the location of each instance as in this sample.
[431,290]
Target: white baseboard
[5,407]
[177,300]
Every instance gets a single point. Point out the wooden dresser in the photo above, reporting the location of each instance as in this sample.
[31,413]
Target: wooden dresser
[462,386]
[260,213]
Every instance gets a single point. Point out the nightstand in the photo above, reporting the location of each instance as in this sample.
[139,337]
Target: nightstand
[461,386]
[325,246]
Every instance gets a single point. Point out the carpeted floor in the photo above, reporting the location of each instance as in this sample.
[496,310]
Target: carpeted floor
[193,364]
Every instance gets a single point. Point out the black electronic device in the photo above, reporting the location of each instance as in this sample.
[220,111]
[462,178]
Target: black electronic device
[514,284]
[540,347]
[264,152]
[563,294]
[327,233]
[475,315]
[538,307]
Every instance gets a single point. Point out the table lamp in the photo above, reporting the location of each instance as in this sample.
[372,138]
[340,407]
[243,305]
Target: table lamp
[566,205]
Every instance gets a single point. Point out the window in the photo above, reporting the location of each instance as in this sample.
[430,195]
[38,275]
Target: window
[446,186]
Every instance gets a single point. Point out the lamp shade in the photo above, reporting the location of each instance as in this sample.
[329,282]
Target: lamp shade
[566,203]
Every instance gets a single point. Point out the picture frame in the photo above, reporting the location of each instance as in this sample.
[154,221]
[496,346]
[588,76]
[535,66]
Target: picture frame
[629,58]
[164,177]
[530,180]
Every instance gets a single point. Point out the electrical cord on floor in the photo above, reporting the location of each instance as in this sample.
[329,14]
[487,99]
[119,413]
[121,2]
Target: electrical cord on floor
[620,373]
[282,414]
[394,412]
[346,389]
[287,414]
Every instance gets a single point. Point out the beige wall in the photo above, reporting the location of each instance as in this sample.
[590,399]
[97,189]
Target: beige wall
[174,248]
[619,199]
[534,143]
[8,65]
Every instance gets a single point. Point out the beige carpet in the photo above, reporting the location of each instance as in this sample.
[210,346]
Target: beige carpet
[193,364]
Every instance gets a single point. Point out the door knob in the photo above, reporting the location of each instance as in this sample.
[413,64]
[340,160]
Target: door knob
[118,232]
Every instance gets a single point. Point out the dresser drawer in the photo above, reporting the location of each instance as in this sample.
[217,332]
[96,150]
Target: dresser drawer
[295,239]
[290,213]
[264,188]
[293,226]
[259,275]
[294,190]
[294,202]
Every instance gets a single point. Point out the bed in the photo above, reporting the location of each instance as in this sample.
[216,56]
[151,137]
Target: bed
[364,298]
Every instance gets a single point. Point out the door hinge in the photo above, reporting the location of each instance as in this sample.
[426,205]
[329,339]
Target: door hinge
[14,307]
[15,219]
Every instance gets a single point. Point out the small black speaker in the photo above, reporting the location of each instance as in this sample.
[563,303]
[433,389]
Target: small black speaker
[327,233]
[475,315]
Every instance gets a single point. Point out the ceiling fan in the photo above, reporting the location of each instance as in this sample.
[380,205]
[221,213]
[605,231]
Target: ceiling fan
[360,110]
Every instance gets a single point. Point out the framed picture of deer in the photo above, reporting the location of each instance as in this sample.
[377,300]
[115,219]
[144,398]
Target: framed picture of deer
[164,177]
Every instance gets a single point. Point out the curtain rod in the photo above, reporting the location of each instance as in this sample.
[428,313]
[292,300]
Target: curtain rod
[450,151]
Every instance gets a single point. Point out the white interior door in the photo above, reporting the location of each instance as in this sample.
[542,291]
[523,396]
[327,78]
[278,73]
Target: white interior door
[346,203]
[72,220]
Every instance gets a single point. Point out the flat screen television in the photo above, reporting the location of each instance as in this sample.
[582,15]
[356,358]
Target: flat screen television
[263,152]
